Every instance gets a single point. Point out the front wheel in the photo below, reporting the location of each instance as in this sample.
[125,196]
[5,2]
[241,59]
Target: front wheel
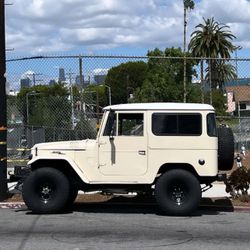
[178,192]
[46,190]
[73,192]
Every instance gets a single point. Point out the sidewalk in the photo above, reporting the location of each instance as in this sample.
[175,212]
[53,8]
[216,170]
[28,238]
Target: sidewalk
[218,190]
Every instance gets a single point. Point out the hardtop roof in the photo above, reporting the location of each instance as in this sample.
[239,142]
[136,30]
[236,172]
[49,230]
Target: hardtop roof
[160,106]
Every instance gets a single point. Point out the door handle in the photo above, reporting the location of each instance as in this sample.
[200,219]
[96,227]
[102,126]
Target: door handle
[142,152]
[102,143]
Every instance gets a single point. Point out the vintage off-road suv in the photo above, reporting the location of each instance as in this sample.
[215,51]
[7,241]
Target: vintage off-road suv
[164,149]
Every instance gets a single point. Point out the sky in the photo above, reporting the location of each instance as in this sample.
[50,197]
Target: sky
[127,27]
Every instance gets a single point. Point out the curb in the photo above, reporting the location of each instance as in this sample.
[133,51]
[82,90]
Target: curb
[12,205]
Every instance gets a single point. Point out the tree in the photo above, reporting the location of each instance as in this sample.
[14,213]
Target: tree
[219,101]
[44,105]
[211,40]
[124,79]
[164,78]
[188,5]
[221,72]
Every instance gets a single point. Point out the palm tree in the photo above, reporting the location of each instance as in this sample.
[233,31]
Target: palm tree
[188,5]
[221,72]
[211,40]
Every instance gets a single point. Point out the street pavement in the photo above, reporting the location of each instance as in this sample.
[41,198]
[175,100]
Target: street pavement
[96,226]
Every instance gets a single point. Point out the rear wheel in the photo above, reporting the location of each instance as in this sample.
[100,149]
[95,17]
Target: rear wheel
[46,190]
[178,192]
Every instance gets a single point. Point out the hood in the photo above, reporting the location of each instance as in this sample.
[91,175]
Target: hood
[63,145]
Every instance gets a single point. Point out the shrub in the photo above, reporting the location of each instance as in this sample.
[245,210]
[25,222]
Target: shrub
[238,183]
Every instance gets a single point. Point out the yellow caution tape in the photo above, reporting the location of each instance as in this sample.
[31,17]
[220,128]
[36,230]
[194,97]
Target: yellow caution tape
[17,160]
[19,149]
[3,142]
[3,159]
[3,128]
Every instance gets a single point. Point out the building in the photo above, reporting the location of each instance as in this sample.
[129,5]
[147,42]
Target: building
[238,82]
[52,82]
[61,77]
[99,79]
[238,99]
[25,82]
[78,81]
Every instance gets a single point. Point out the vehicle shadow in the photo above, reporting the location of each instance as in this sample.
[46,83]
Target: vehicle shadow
[127,205]
[122,205]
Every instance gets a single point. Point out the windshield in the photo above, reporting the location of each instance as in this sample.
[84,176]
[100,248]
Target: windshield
[101,124]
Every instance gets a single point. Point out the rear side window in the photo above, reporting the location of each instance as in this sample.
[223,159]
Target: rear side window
[211,125]
[168,124]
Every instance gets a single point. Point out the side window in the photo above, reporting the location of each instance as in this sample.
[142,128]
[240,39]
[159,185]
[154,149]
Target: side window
[110,128]
[211,125]
[130,124]
[166,124]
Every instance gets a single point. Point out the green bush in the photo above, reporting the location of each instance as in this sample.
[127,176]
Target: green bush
[238,183]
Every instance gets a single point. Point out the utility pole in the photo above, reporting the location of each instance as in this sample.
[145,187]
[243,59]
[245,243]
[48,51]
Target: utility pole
[34,78]
[71,98]
[3,112]
[184,59]
[188,5]
[80,72]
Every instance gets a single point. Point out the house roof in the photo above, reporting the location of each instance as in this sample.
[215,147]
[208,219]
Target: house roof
[241,93]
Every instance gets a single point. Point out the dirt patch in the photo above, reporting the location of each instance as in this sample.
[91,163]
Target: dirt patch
[81,198]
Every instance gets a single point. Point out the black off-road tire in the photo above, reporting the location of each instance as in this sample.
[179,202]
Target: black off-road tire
[178,192]
[225,148]
[73,192]
[46,190]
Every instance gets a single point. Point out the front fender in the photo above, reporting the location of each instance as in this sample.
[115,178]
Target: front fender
[71,162]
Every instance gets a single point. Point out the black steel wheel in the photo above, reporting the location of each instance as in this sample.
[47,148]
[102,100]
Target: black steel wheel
[46,190]
[178,192]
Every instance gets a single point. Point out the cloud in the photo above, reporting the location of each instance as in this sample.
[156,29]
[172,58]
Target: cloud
[41,26]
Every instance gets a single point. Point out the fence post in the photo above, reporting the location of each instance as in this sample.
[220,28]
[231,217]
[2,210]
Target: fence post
[80,72]
[3,112]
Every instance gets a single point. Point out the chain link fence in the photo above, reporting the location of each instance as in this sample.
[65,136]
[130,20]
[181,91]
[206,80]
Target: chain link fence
[39,109]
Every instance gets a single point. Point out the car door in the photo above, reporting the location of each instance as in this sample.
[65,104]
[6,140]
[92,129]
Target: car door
[123,145]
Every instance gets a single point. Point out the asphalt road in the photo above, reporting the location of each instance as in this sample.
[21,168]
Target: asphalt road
[123,227]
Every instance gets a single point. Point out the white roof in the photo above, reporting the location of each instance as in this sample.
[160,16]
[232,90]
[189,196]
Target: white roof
[160,106]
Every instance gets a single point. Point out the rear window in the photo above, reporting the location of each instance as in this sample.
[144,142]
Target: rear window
[211,125]
[169,124]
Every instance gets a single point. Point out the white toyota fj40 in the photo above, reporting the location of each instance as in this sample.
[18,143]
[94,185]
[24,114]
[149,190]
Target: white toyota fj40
[166,149]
